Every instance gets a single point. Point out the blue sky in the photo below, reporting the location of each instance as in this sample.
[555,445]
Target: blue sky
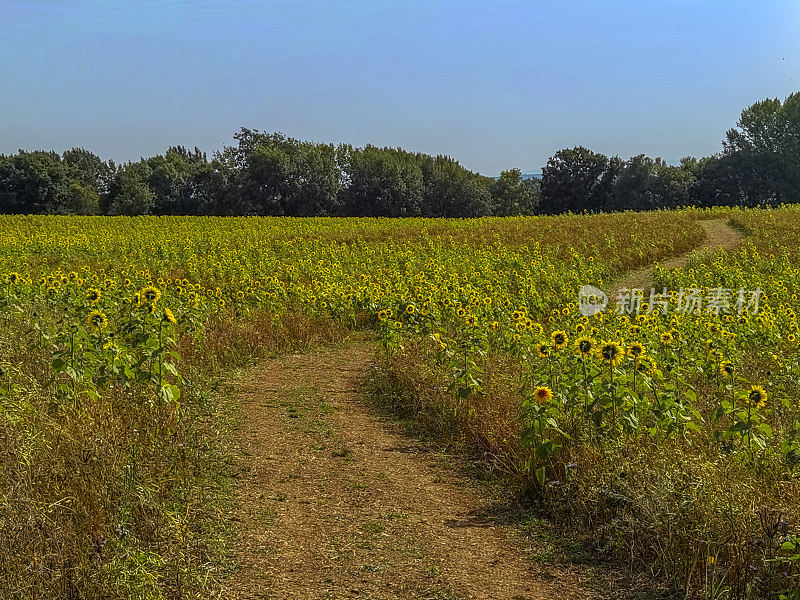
[494,84]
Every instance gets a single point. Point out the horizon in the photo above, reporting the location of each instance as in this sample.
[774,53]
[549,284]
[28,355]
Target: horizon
[495,89]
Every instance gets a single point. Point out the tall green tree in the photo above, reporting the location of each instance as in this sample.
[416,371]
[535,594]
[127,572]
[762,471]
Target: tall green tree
[41,182]
[577,179]
[761,156]
[644,183]
[381,182]
[271,174]
[450,190]
[182,181]
[89,169]
[129,193]
[512,195]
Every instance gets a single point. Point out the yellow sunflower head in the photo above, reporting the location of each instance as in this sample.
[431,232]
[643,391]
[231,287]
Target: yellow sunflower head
[726,368]
[542,394]
[636,350]
[96,320]
[150,294]
[610,352]
[584,346]
[757,396]
[559,338]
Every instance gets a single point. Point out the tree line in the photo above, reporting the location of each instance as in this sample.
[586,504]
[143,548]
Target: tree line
[262,174]
[759,165]
[271,174]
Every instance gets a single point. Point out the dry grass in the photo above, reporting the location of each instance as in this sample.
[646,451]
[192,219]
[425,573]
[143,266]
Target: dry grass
[233,341]
[665,510]
[123,497]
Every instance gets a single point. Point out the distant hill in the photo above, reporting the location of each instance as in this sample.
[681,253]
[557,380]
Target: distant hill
[524,176]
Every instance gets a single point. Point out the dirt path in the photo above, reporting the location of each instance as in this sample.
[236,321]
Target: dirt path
[336,502]
[718,234]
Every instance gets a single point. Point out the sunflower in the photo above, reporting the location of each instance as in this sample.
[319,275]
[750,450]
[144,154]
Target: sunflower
[168,316]
[92,295]
[472,320]
[644,364]
[611,353]
[411,309]
[150,294]
[542,394]
[438,338]
[96,320]
[584,346]
[726,368]
[636,350]
[542,350]
[757,396]
[559,338]
[666,338]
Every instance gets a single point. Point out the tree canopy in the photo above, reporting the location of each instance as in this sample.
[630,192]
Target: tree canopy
[272,174]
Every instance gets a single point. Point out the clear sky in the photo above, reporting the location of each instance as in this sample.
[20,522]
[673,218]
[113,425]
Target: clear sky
[494,84]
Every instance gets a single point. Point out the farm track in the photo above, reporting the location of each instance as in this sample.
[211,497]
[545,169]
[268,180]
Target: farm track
[718,235]
[337,502]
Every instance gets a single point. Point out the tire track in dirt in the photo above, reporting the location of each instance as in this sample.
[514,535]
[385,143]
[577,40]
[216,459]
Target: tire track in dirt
[336,502]
[718,235]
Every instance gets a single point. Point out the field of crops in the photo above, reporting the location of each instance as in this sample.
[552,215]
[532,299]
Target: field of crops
[669,439]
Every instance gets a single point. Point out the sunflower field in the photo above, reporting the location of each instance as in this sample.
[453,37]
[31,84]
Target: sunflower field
[669,439]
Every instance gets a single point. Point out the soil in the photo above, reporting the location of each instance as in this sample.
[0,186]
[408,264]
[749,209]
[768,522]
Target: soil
[337,501]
